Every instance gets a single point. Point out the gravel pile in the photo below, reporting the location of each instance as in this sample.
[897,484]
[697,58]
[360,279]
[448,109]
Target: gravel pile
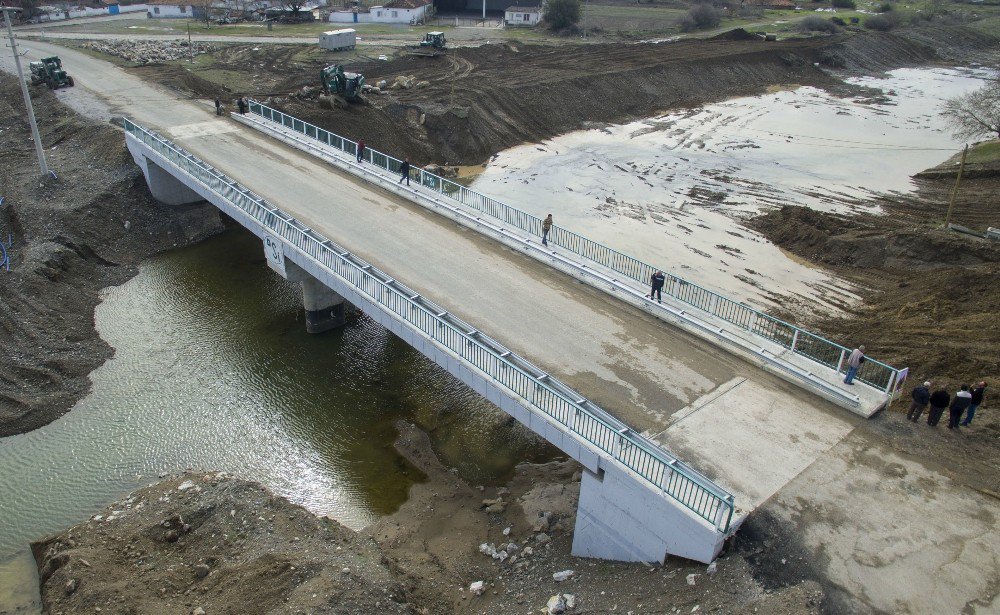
[147,52]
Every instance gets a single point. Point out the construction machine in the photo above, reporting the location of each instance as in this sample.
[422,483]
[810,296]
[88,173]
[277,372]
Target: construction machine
[50,72]
[433,45]
[346,85]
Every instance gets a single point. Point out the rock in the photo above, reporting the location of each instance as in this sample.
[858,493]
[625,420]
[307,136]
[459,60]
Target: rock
[556,605]
[527,551]
[712,568]
[542,538]
[542,522]
[691,578]
[381,84]
[477,587]
[511,548]
[70,586]
[562,575]
[171,536]
[198,611]
[345,570]
[570,601]
[185,485]
[201,571]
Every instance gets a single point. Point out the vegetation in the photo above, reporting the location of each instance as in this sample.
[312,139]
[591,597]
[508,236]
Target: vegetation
[701,17]
[843,4]
[815,23]
[562,14]
[976,114]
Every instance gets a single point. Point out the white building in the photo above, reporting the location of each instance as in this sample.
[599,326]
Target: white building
[522,15]
[402,11]
[160,9]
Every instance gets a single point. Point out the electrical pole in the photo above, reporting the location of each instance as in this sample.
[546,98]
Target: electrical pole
[24,90]
[190,51]
[954,191]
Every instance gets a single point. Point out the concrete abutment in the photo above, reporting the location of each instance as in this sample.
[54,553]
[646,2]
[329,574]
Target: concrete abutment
[164,187]
[324,308]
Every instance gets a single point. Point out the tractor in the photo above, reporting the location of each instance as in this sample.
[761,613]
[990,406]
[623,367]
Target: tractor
[346,85]
[432,46]
[50,72]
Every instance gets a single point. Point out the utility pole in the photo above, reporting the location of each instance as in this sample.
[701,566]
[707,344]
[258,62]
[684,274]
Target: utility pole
[24,90]
[954,192]
[190,51]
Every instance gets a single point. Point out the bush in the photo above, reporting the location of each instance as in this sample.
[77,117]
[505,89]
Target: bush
[562,14]
[815,23]
[885,7]
[843,4]
[882,23]
[840,22]
[701,17]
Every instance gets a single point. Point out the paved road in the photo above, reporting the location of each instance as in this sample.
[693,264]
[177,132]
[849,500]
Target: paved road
[651,376]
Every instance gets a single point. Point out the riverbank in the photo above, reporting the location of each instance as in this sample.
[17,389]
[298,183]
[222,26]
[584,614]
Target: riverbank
[71,237]
[212,542]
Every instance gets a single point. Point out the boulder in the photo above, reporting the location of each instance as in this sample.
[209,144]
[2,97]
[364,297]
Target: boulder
[563,575]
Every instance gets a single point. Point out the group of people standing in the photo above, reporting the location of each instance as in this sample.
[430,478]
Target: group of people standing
[241,104]
[966,400]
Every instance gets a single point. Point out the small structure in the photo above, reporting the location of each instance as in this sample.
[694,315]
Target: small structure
[402,11]
[522,16]
[169,9]
[335,40]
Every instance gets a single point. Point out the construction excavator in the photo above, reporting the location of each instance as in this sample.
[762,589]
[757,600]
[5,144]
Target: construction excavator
[50,72]
[339,83]
[433,45]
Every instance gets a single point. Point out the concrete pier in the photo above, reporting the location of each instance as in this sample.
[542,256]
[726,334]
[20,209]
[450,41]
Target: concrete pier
[324,308]
[164,187]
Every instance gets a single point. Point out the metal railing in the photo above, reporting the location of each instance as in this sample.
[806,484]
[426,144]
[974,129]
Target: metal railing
[799,341]
[666,473]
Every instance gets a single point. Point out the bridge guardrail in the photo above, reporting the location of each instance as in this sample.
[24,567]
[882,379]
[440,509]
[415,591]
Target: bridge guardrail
[671,476]
[801,342]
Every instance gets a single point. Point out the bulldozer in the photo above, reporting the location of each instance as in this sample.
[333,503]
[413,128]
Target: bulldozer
[337,82]
[50,72]
[433,45]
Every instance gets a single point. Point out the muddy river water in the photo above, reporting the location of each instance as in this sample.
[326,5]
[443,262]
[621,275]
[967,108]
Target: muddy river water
[213,368]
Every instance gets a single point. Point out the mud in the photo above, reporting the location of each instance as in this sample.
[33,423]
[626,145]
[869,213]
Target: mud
[71,237]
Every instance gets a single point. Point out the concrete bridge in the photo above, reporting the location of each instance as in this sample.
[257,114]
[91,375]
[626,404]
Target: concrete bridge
[592,367]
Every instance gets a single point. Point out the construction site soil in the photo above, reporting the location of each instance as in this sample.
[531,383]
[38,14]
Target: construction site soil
[477,101]
[931,304]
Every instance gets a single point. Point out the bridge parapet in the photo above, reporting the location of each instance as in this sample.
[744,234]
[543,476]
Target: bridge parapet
[805,354]
[673,509]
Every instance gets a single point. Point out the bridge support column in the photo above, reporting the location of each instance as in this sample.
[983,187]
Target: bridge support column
[165,187]
[619,518]
[324,308]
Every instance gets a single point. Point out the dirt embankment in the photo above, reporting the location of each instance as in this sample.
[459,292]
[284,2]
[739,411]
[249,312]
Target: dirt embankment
[478,101]
[932,298]
[71,237]
[205,543]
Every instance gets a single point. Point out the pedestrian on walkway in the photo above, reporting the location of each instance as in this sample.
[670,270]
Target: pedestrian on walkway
[939,401]
[361,150]
[242,104]
[218,107]
[853,363]
[921,397]
[963,399]
[546,227]
[977,398]
[657,281]
[404,172]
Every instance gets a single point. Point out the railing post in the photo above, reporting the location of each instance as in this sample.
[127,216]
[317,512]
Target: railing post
[892,381]
[840,363]
[795,340]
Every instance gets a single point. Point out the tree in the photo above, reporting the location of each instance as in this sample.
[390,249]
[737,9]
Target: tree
[701,17]
[977,113]
[562,14]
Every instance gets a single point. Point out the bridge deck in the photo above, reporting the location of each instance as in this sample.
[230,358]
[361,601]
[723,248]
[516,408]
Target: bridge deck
[752,438]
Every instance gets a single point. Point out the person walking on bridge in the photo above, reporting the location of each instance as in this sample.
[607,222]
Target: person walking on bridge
[241,103]
[853,363]
[963,399]
[404,172]
[939,401]
[657,280]
[921,397]
[361,150]
[218,107]
[546,227]
[977,398]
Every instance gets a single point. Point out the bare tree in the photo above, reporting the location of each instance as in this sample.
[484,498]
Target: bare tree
[293,6]
[976,114]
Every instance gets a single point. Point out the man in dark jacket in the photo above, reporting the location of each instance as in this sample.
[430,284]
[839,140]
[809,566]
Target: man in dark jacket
[921,397]
[939,401]
[656,281]
[977,398]
[963,399]
[404,172]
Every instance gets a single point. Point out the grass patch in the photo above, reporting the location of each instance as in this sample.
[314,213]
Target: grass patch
[987,152]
